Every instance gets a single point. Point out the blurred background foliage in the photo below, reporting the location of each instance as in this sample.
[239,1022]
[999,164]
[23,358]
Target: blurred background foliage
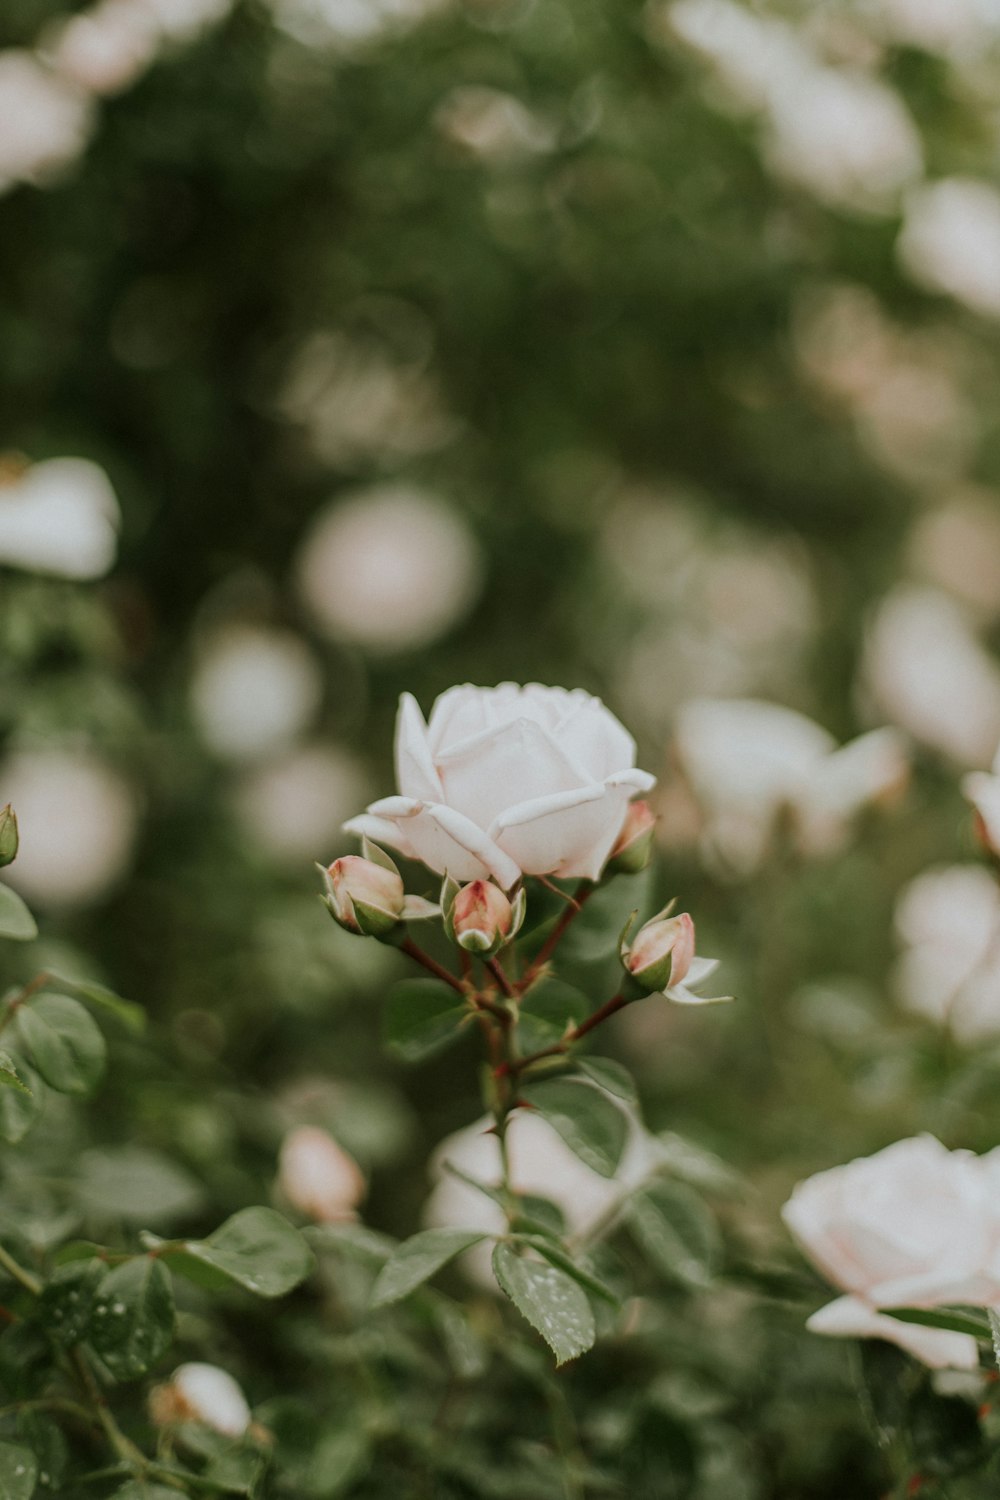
[645,347]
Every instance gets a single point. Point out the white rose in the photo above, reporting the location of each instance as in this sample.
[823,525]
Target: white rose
[508,781]
[911,1226]
[60,516]
[204,1393]
[949,967]
[318,1177]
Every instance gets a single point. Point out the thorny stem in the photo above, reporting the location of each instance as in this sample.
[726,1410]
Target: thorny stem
[582,893]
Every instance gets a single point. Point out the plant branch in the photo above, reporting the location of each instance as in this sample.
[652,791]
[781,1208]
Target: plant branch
[575,904]
[13,1268]
[409,947]
[515,1067]
[496,969]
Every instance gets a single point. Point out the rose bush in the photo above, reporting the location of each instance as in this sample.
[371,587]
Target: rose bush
[508,781]
[912,1226]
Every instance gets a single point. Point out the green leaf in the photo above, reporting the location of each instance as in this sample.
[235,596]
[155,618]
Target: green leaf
[18,1112]
[548,1010]
[132,1320]
[954,1319]
[135,1184]
[9,1076]
[676,1231]
[65,1042]
[558,1257]
[237,1472]
[702,1168]
[18,1472]
[132,1015]
[586,1119]
[595,933]
[67,1300]
[144,1489]
[422,1016]
[256,1248]
[553,1304]
[338,1462]
[16,920]
[610,1075]
[419,1258]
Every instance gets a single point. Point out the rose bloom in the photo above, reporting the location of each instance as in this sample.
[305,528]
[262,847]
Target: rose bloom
[949,968]
[508,781]
[60,516]
[318,1177]
[912,1226]
[202,1393]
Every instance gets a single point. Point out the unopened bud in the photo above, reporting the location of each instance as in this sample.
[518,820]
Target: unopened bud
[661,954]
[318,1177]
[8,836]
[201,1393]
[363,896]
[634,847]
[481,919]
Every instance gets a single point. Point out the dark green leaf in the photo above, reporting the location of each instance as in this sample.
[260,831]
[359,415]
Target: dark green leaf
[610,1075]
[18,1472]
[137,1185]
[338,1461]
[66,1304]
[422,1016]
[132,1317]
[676,1231]
[586,1119]
[553,1304]
[132,1015]
[419,1258]
[256,1248]
[558,1257]
[548,1010]
[237,1472]
[9,1076]
[65,1042]
[16,920]
[18,1112]
[954,1319]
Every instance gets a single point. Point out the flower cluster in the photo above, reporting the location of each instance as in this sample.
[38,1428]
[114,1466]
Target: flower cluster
[914,1226]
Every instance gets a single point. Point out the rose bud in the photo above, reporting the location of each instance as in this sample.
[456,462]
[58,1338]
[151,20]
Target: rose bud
[201,1393]
[634,846]
[662,952]
[480,919]
[363,896]
[318,1177]
[8,835]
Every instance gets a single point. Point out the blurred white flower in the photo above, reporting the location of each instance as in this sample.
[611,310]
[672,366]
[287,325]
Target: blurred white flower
[392,568]
[950,241]
[491,124]
[319,23]
[204,1393]
[47,120]
[754,56]
[956,545]
[748,762]
[254,690]
[948,920]
[845,136]
[59,516]
[106,48]
[541,1165]
[180,20]
[318,1177]
[77,821]
[928,673]
[295,806]
[939,25]
[911,1226]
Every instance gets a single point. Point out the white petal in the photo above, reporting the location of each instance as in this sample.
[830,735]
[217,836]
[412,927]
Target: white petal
[458,713]
[570,834]
[850,1317]
[594,740]
[492,771]
[380,831]
[983,792]
[445,840]
[415,773]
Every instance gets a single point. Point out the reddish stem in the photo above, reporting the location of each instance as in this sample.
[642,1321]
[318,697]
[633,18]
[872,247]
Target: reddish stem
[557,1049]
[409,947]
[496,969]
[582,893]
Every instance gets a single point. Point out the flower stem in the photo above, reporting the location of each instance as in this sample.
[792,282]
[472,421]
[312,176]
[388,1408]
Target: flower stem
[514,1067]
[11,1266]
[496,969]
[409,947]
[574,905]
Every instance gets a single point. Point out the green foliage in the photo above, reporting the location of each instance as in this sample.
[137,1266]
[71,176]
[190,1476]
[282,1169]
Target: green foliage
[586,1119]
[417,1260]
[554,1305]
[421,1018]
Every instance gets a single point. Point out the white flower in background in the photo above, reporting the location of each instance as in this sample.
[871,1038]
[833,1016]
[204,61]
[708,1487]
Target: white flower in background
[983,791]
[254,690]
[948,920]
[318,1177]
[541,1165]
[492,125]
[294,807]
[392,568]
[106,48]
[749,761]
[508,781]
[912,1226]
[318,23]
[180,20]
[47,120]
[928,673]
[59,516]
[77,822]
[956,546]
[950,241]
[845,136]
[204,1393]
[939,25]
[754,56]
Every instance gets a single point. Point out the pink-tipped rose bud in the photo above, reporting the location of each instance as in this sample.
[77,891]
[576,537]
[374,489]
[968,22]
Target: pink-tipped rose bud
[481,919]
[364,897]
[318,1177]
[662,952]
[634,846]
